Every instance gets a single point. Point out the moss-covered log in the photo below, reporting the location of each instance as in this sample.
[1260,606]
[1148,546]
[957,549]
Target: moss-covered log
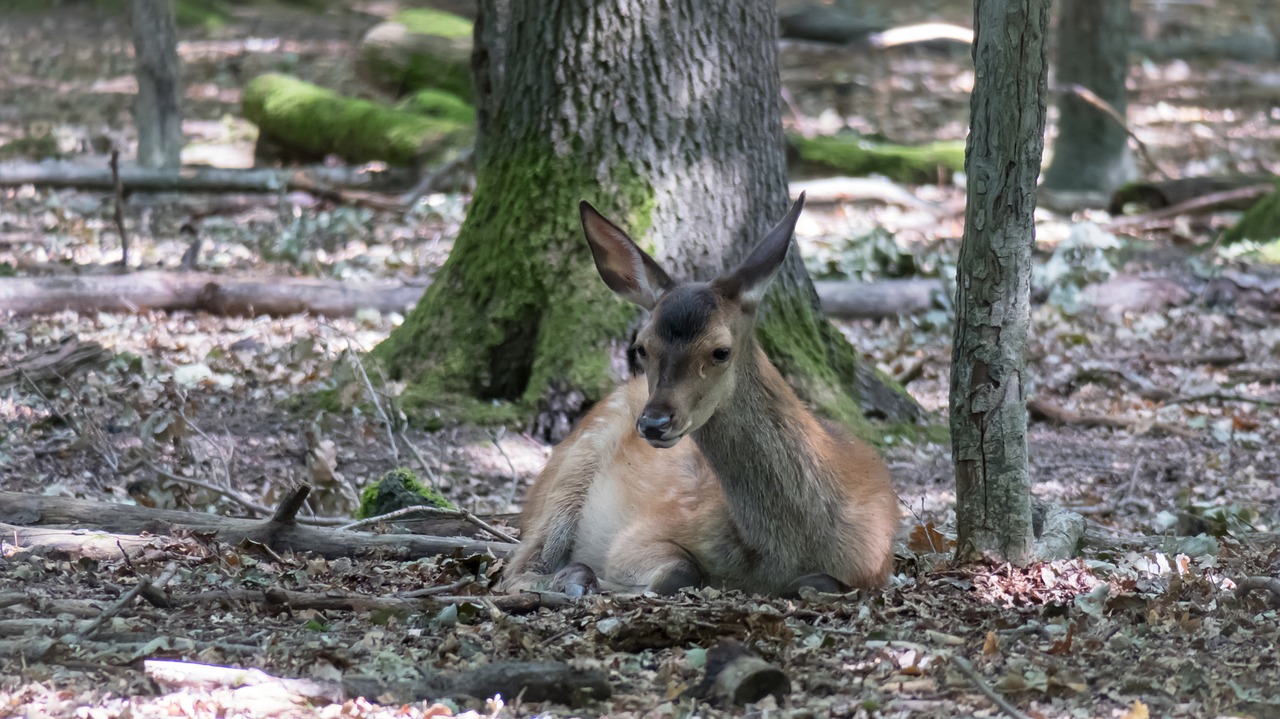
[310,121]
[678,139]
[856,155]
[1260,224]
[437,103]
[417,50]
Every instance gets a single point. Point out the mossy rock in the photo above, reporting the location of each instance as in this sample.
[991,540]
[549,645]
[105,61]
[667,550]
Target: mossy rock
[434,53]
[310,121]
[856,155]
[1261,224]
[429,21]
[441,104]
[398,489]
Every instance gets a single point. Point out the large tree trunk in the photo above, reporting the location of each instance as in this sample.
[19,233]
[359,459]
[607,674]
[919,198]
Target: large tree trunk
[157,112]
[665,116]
[1091,152]
[993,280]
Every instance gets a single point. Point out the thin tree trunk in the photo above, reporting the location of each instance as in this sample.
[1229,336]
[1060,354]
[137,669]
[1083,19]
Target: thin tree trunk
[665,116]
[157,112]
[993,278]
[1091,152]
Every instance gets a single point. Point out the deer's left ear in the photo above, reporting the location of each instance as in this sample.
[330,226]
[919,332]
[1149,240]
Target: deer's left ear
[748,283]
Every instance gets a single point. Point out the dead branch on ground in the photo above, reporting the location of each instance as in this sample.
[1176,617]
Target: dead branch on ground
[279,536]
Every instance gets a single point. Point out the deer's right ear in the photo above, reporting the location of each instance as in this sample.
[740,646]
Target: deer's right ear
[624,267]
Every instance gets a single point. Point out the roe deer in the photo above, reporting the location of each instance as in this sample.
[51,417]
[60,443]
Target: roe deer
[763,497]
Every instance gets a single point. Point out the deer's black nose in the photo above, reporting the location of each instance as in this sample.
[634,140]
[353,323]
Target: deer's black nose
[654,425]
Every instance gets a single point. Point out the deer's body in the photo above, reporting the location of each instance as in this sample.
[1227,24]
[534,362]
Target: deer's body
[760,493]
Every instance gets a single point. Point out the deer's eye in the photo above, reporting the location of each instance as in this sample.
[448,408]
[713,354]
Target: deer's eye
[640,351]
[721,354]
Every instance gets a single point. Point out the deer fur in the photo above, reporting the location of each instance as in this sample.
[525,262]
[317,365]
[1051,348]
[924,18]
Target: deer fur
[707,469]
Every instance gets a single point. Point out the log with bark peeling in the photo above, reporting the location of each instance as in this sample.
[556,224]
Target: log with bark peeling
[30,510]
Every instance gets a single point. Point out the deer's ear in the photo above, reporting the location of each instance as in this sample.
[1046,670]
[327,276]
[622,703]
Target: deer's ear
[748,283]
[625,268]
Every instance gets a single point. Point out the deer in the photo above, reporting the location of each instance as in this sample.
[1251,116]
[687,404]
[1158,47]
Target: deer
[705,468]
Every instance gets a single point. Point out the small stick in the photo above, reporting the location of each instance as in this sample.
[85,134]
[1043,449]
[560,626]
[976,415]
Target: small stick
[438,512]
[422,461]
[287,510]
[119,211]
[1091,98]
[382,414]
[143,584]
[967,669]
[224,491]
[433,591]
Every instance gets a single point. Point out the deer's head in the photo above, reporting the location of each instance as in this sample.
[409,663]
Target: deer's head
[697,333]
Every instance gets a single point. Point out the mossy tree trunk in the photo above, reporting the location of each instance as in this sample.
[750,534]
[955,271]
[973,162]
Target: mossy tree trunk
[1091,153]
[993,280]
[665,116]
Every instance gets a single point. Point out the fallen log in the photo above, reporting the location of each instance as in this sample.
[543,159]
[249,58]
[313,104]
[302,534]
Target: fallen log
[77,543]
[876,300]
[82,176]
[310,121]
[200,292]
[853,154]
[280,533]
[1170,193]
[280,296]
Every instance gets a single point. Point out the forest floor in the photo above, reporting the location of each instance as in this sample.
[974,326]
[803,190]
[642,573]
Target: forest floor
[1166,338]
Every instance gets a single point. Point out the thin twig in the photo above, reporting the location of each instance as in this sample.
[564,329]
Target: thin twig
[1089,97]
[223,491]
[434,511]
[143,583]
[377,405]
[967,669]
[119,211]
[1223,397]
[422,461]
[432,591]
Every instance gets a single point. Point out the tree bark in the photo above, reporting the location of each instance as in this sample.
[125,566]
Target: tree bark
[665,116]
[993,278]
[1091,152]
[157,112]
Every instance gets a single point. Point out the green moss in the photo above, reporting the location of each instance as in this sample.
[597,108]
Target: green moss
[816,360]
[518,309]
[398,489]
[311,120]
[429,21]
[35,147]
[441,104]
[855,155]
[208,14]
[1260,224]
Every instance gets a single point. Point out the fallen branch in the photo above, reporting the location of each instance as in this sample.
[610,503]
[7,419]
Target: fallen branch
[34,510]
[58,363]
[143,583]
[279,296]
[736,677]
[1205,203]
[876,300]
[1091,98]
[189,675]
[434,512]
[86,543]
[1047,411]
[1264,584]
[527,681]
[278,598]
[1060,534]
[215,294]
[972,675]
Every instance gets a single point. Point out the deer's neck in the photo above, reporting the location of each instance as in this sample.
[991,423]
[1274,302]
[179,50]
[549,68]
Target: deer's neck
[765,447]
